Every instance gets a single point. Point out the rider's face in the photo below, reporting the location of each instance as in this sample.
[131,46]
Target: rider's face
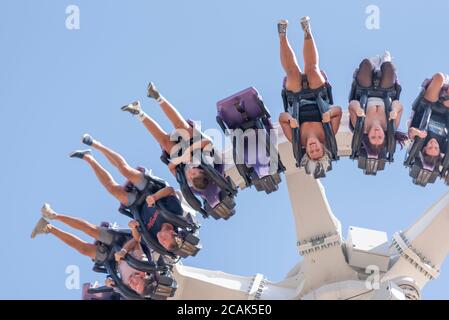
[376,135]
[432,148]
[166,237]
[314,149]
[137,282]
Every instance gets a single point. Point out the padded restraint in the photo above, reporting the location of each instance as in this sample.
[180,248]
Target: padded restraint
[245,110]
[425,112]
[134,211]
[367,162]
[109,266]
[323,99]
[223,184]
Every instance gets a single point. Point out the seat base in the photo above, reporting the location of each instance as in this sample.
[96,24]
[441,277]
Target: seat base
[268,184]
[223,210]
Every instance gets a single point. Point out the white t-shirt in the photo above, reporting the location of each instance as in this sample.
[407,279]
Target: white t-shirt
[125,270]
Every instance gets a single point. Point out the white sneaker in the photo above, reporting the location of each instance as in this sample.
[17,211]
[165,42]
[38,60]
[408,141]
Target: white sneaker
[40,228]
[133,108]
[47,212]
[305,24]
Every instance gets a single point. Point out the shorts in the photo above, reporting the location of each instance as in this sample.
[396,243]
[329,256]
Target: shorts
[374,101]
[106,238]
[132,197]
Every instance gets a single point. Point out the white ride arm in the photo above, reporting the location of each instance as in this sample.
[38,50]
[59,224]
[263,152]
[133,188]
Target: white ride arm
[318,230]
[201,284]
[422,248]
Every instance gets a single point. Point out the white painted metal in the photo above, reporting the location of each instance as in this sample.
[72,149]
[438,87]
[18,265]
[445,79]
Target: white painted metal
[367,248]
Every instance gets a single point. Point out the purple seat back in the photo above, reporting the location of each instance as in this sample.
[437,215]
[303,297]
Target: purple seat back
[248,99]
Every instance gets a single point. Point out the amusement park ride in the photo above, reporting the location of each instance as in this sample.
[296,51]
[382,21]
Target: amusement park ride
[366,265]
[333,267]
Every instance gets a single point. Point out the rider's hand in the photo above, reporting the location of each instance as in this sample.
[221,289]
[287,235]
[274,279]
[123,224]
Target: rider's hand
[151,201]
[109,282]
[293,123]
[120,255]
[360,113]
[133,224]
[326,117]
[421,134]
[393,115]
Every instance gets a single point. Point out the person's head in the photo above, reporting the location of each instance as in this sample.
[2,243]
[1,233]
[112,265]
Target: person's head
[431,153]
[314,149]
[432,148]
[198,178]
[166,237]
[138,282]
[319,165]
[376,137]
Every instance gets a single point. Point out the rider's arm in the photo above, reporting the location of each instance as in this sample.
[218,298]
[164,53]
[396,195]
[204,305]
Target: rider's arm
[336,114]
[172,168]
[167,191]
[412,132]
[133,224]
[397,108]
[130,245]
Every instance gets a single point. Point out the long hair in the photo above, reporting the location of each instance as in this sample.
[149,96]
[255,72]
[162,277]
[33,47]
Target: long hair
[317,167]
[430,161]
[379,150]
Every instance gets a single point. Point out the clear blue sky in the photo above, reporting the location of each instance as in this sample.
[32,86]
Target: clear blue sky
[57,84]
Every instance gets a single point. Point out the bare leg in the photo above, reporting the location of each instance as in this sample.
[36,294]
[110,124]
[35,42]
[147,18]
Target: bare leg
[86,249]
[388,75]
[107,180]
[173,115]
[311,61]
[365,73]
[434,88]
[284,121]
[117,160]
[81,225]
[289,63]
[354,105]
[162,137]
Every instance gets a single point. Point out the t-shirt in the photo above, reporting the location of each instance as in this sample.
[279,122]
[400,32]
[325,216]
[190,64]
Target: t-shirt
[125,270]
[153,219]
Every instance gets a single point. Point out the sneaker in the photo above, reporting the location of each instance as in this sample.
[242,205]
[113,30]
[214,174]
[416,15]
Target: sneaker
[133,108]
[282,27]
[80,153]
[40,228]
[152,92]
[47,212]
[87,139]
[305,24]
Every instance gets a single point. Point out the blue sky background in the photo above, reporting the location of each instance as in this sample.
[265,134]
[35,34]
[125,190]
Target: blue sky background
[57,84]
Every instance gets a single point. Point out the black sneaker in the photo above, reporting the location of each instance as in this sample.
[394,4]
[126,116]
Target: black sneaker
[80,153]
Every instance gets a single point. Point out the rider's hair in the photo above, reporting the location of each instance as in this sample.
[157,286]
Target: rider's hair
[201,181]
[316,166]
